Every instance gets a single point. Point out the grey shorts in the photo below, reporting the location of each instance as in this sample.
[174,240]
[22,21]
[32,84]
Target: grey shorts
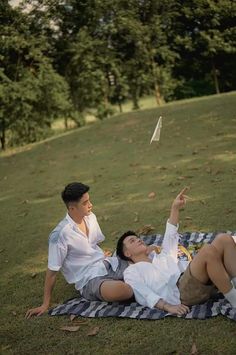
[91,291]
[192,291]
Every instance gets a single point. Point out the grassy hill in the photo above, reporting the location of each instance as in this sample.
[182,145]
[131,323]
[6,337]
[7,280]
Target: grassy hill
[197,149]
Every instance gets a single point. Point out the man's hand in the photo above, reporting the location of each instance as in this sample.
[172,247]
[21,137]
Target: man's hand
[179,309]
[38,311]
[180,201]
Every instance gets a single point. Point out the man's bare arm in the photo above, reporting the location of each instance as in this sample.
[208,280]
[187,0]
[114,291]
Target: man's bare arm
[50,280]
[178,203]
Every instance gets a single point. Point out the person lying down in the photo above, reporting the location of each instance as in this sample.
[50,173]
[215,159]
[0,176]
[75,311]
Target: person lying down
[171,285]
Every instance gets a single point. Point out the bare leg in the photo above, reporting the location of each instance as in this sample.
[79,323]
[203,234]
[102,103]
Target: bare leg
[112,291]
[208,264]
[226,247]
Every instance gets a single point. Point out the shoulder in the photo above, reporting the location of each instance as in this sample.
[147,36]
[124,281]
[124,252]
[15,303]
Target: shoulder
[131,269]
[59,232]
[92,219]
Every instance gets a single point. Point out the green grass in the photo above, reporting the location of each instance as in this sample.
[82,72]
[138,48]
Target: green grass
[197,148]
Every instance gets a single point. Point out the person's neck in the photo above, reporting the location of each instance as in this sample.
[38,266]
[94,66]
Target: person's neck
[76,218]
[141,257]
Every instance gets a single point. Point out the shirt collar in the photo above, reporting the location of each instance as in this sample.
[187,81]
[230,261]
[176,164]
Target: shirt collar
[71,221]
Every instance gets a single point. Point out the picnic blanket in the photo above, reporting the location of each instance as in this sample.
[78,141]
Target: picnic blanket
[192,242]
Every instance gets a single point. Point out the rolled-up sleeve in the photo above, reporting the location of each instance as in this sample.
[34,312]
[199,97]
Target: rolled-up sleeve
[143,294]
[56,256]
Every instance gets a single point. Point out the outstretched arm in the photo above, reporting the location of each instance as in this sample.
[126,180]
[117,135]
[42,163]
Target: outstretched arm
[171,237]
[178,203]
[50,280]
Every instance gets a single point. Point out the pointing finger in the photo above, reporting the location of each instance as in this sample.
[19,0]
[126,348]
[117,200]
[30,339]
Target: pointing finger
[184,190]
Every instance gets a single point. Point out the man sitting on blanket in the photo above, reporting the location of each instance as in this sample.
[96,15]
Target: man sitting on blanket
[73,249]
[166,283]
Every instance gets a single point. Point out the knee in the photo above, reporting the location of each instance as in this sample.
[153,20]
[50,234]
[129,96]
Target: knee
[223,238]
[127,291]
[211,253]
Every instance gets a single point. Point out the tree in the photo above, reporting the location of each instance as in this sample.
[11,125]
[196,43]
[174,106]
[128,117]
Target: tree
[32,94]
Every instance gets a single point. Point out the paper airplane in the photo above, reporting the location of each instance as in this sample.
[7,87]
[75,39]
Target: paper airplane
[157,131]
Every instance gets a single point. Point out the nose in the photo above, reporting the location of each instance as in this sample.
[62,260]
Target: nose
[90,205]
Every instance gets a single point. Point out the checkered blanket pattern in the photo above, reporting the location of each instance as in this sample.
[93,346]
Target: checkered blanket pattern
[213,307]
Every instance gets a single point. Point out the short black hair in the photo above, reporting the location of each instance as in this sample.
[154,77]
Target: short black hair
[120,245]
[73,192]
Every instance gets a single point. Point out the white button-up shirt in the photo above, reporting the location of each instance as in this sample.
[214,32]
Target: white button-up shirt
[78,257]
[154,280]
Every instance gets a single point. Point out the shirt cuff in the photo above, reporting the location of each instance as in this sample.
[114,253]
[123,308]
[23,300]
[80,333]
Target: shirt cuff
[152,300]
[54,268]
[172,228]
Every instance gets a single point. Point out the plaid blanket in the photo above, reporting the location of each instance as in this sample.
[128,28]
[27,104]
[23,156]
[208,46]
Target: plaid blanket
[213,307]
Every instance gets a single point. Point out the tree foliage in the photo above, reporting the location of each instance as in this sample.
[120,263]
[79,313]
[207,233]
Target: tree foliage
[62,58]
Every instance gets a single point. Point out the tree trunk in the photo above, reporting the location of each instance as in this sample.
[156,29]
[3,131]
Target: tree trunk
[66,122]
[215,76]
[3,136]
[120,106]
[156,85]
[134,94]
[157,93]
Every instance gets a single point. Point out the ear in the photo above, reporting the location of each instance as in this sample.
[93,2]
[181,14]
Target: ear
[70,207]
[127,253]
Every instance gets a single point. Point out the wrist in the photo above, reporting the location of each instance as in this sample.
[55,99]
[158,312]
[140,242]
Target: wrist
[46,304]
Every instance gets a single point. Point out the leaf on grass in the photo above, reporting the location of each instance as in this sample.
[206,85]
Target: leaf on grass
[194,349]
[136,219]
[145,229]
[93,331]
[188,218]
[72,317]
[152,195]
[195,152]
[203,202]
[33,275]
[14,313]
[229,210]
[70,328]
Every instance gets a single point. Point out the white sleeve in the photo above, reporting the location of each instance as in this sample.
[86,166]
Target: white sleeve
[56,255]
[170,241]
[143,294]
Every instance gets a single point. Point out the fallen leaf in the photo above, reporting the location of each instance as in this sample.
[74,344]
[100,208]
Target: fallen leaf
[33,275]
[229,210]
[70,328]
[145,229]
[93,331]
[25,201]
[72,317]
[203,202]
[136,219]
[194,349]
[188,218]
[151,194]
[13,313]
[195,152]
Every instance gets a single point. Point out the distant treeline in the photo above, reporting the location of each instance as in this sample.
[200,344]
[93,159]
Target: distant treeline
[61,58]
